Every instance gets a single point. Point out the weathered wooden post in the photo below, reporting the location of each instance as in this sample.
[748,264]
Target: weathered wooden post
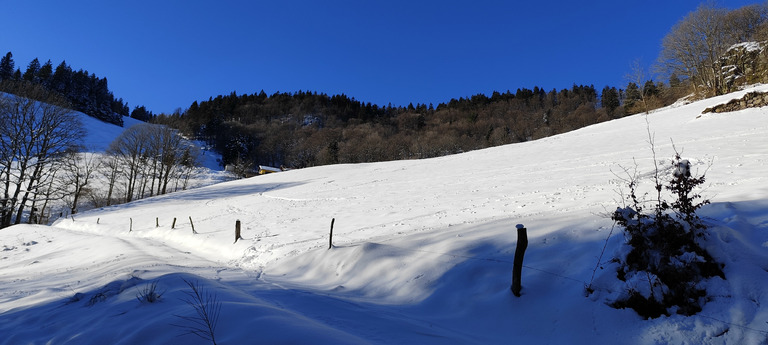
[193,225]
[173,225]
[130,228]
[97,220]
[517,269]
[330,237]
[237,231]
[157,222]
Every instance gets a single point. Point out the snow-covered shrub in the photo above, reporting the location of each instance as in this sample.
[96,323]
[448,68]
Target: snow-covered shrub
[665,265]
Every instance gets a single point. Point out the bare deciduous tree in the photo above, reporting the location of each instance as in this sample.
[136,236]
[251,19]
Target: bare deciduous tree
[110,171]
[130,151]
[694,46]
[637,76]
[33,136]
[744,24]
[77,171]
[148,157]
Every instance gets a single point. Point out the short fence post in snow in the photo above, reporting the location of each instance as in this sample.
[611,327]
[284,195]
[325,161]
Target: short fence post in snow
[237,231]
[173,226]
[130,228]
[193,225]
[97,220]
[517,269]
[330,237]
[157,222]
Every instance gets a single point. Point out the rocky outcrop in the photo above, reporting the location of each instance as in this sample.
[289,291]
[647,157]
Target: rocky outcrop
[750,100]
[744,64]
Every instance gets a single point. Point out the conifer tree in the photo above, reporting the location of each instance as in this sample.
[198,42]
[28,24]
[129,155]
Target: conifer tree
[140,113]
[650,89]
[61,79]
[45,73]
[610,99]
[6,67]
[31,74]
[632,96]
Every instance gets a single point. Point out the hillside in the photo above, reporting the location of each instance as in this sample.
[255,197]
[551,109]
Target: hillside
[56,161]
[422,248]
[100,134]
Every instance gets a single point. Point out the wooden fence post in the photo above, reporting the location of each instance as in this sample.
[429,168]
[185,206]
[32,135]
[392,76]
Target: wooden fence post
[131,225]
[517,269]
[157,222]
[193,225]
[173,225]
[237,231]
[330,237]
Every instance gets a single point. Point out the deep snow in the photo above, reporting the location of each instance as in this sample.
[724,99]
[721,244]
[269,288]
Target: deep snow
[422,248]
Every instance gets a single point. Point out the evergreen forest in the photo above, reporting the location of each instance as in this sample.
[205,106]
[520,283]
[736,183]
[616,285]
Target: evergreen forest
[81,91]
[304,128]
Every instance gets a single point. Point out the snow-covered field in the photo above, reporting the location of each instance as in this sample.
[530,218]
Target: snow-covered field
[422,254]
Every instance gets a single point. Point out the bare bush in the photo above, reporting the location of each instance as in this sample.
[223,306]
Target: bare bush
[149,294]
[207,308]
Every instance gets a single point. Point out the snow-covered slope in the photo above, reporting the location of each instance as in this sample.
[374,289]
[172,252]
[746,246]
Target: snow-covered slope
[100,134]
[422,249]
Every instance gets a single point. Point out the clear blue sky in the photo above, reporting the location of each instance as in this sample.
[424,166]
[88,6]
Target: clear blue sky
[165,54]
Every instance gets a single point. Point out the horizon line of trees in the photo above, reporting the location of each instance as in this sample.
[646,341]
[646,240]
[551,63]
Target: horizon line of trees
[81,90]
[304,128]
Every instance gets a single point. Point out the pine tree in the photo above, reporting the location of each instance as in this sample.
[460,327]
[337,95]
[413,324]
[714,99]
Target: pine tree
[62,78]
[119,107]
[140,113]
[650,89]
[45,73]
[6,67]
[32,72]
[632,96]
[610,99]
[674,81]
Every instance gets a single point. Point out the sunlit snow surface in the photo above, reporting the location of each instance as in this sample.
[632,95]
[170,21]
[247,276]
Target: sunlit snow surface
[422,252]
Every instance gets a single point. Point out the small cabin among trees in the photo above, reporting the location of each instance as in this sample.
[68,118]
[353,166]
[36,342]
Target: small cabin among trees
[263,170]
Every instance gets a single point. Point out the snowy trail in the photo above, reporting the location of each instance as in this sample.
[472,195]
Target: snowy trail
[41,271]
